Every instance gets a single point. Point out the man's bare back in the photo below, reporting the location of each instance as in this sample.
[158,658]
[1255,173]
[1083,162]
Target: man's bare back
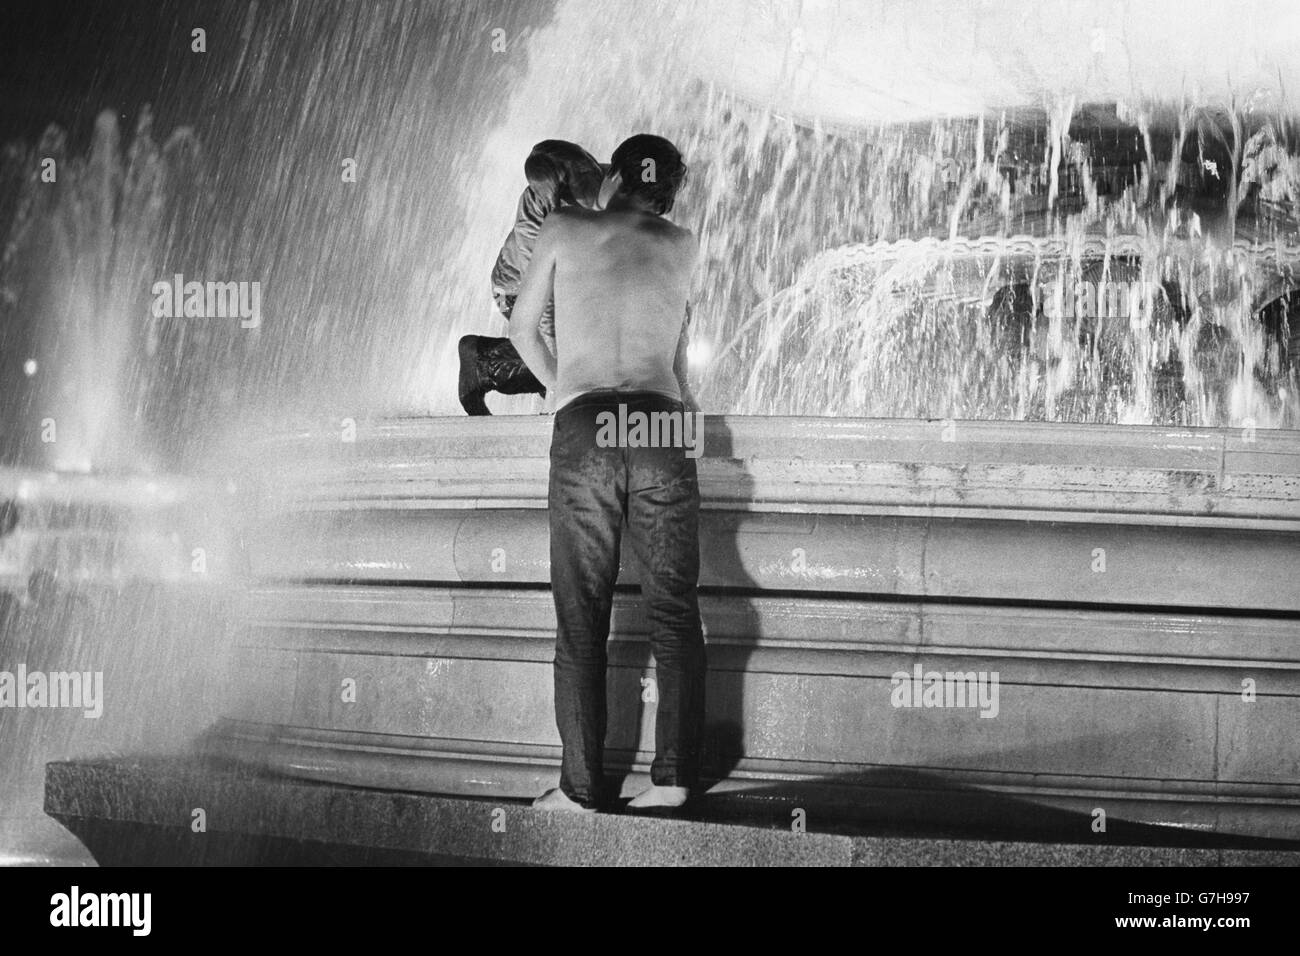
[620,278]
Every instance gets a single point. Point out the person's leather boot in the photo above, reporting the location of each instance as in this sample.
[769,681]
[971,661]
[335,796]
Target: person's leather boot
[489,364]
[470,386]
[503,369]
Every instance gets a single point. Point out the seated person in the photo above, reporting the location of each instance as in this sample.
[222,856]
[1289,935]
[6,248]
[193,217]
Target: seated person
[559,174]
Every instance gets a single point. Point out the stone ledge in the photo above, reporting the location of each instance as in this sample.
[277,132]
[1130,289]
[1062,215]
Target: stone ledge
[141,810]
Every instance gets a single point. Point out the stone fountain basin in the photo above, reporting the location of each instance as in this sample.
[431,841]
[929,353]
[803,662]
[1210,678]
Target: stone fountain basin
[1125,583]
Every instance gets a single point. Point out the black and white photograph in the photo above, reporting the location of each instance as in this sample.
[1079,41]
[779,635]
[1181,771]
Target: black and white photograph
[624,434]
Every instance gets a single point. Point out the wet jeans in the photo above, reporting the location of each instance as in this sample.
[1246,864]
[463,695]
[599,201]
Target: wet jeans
[594,493]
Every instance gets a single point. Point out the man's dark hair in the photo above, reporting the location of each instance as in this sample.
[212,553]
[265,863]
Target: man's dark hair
[656,182]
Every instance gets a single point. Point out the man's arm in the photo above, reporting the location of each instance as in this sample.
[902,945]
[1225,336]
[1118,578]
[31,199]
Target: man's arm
[535,291]
[681,366]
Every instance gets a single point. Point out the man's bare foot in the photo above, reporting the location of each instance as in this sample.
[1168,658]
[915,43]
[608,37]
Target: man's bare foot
[657,796]
[557,799]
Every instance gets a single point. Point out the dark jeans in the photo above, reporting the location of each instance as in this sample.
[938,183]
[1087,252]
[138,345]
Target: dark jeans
[593,492]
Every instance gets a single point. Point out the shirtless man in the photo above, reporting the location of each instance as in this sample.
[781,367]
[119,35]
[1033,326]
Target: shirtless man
[620,278]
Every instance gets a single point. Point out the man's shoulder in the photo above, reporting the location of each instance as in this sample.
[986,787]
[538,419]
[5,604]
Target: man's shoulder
[559,228]
[567,220]
[567,215]
[682,238]
[665,230]
[669,230]
[576,221]
[683,235]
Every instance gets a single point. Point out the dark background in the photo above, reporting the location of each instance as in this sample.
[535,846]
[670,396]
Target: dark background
[65,60]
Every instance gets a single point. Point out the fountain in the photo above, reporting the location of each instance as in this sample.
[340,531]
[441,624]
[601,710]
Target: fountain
[998,345]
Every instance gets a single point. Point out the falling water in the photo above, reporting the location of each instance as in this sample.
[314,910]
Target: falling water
[876,240]
[366,285]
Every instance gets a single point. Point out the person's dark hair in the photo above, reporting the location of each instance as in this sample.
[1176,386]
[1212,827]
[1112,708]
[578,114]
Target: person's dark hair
[656,182]
[561,172]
